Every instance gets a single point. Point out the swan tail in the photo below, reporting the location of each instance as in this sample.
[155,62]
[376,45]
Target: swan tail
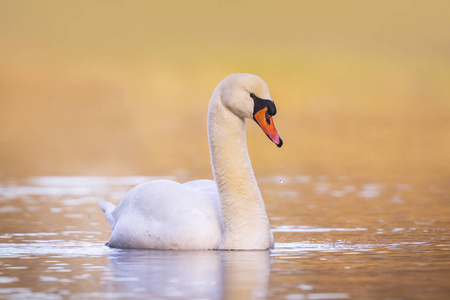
[107,208]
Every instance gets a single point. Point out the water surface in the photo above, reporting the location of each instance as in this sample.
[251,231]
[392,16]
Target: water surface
[336,238]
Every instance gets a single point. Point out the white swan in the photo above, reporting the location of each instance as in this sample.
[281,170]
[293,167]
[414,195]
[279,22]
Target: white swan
[227,213]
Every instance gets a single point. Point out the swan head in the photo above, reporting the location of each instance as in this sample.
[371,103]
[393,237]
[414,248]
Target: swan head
[248,96]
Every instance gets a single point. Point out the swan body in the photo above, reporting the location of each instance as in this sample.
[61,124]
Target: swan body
[227,213]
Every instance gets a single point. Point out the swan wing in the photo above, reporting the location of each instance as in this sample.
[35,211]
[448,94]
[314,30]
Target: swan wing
[164,214]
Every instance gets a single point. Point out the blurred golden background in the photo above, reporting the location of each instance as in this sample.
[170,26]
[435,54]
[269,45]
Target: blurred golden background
[122,87]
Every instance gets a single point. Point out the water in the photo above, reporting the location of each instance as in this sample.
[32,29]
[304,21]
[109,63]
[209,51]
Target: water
[336,238]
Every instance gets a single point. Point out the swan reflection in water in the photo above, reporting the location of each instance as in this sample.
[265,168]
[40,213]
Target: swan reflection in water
[188,274]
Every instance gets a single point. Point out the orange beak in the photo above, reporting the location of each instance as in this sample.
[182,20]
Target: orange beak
[265,121]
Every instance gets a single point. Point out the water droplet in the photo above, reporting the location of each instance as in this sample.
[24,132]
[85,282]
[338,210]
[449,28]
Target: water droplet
[281,180]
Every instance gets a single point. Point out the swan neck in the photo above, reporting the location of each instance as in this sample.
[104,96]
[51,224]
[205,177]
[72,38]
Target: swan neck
[245,222]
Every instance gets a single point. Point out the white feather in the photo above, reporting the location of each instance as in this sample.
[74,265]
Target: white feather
[227,213]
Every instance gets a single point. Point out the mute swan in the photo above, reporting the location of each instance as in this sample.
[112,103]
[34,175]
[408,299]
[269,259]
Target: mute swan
[225,214]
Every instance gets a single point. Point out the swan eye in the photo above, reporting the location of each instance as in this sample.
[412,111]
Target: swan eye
[261,103]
